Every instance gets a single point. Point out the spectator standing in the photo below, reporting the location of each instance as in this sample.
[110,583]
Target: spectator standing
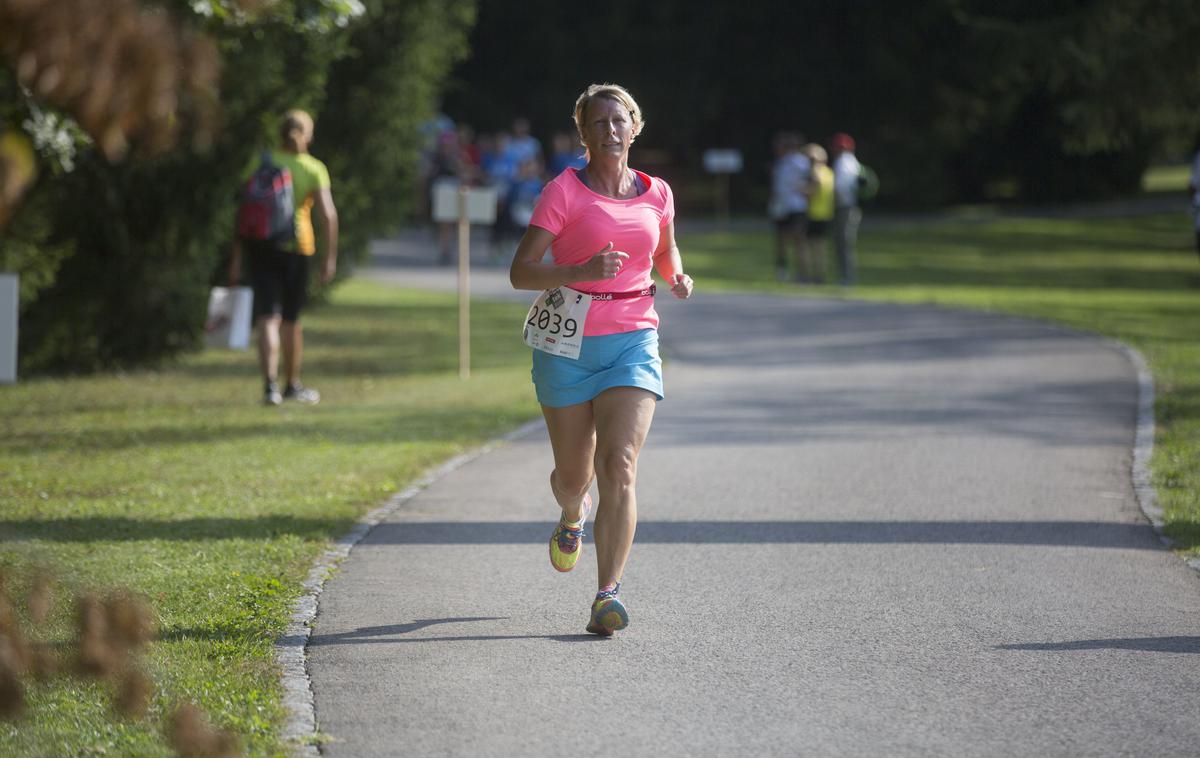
[279,268]
[820,209]
[500,172]
[788,206]
[524,194]
[568,153]
[847,178]
[446,172]
[524,146]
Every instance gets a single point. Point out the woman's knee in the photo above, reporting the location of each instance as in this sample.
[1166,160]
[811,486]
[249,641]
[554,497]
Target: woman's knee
[617,465]
[571,484]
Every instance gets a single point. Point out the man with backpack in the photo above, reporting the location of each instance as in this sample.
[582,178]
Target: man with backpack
[275,237]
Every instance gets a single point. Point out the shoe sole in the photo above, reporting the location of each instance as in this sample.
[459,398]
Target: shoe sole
[610,617]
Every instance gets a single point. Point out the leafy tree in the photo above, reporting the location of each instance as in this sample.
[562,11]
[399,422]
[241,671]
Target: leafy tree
[130,248]
[947,98]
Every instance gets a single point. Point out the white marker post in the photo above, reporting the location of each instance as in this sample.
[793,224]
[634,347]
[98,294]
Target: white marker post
[466,205]
[722,163]
[10,296]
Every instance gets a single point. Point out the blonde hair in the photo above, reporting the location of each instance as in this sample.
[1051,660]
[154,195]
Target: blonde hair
[816,153]
[614,92]
[297,125]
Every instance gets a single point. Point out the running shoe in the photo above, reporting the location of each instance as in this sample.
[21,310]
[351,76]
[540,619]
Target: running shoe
[608,612]
[301,394]
[567,541]
[271,394]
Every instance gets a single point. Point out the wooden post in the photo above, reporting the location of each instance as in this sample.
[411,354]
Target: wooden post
[10,296]
[464,286]
[723,200]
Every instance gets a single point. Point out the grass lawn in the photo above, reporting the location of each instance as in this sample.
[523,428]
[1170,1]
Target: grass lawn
[1136,279]
[180,485]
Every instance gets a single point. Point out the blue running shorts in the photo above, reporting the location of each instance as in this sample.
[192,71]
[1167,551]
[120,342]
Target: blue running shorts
[628,359]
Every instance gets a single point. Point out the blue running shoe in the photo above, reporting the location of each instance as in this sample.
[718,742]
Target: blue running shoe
[608,612]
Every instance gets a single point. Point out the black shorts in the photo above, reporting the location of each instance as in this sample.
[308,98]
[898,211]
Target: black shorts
[793,222]
[280,280]
[817,228]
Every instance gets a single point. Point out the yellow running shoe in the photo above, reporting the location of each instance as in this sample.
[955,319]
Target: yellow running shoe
[567,541]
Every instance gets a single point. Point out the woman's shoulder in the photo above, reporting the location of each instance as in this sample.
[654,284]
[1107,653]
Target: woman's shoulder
[656,186]
[566,182]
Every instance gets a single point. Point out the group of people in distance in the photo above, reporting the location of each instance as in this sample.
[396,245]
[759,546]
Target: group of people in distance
[815,198]
[512,162]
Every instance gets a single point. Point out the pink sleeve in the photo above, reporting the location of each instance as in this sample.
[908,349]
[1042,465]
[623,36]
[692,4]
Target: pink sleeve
[550,213]
[668,205]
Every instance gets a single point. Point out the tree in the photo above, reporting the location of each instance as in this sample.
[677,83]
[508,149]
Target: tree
[137,241]
[948,98]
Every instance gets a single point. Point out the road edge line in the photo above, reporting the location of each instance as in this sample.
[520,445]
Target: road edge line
[1143,446]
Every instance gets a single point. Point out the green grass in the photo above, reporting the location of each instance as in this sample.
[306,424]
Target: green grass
[178,484]
[1135,279]
[1173,178]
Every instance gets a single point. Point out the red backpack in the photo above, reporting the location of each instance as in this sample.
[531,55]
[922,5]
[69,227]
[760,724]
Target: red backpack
[267,204]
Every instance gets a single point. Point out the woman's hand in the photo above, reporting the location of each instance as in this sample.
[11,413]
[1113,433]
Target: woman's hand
[681,286]
[605,264]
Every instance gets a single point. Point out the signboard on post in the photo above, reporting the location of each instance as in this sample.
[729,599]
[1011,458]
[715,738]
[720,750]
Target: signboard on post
[721,163]
[481,202]
[455,202]
[10,292]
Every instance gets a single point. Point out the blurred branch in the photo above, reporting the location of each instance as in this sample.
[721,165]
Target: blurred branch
[124,73]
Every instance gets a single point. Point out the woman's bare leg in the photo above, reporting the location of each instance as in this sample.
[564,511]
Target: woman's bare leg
[573,439]
[622,420]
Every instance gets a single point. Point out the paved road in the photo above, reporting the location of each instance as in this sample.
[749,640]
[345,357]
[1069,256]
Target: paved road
[865,530]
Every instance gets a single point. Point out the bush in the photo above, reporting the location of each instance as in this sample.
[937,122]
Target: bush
[127,251]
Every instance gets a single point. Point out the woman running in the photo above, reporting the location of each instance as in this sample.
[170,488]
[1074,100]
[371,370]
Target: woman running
[594,332]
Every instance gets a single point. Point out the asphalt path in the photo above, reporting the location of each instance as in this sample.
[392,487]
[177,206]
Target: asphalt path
[864,530]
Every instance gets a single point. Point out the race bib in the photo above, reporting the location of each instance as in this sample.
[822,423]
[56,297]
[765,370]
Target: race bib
[555,321]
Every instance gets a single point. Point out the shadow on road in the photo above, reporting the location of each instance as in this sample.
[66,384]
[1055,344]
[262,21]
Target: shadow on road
[1147,644]
[1055,533]
[390,633]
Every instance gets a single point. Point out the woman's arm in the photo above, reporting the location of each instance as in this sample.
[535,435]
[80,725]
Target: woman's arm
[529,273]
[669,264]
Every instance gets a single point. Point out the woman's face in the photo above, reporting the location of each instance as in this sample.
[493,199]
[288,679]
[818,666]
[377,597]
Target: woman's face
[607,128]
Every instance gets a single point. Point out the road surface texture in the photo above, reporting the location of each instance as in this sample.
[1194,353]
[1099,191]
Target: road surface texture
[864,530]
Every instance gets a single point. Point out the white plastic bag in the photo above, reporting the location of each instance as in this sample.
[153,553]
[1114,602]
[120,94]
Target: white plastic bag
[229,314]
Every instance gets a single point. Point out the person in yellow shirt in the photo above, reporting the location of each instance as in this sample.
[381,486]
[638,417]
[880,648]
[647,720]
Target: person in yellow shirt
[820,209]
[279,270]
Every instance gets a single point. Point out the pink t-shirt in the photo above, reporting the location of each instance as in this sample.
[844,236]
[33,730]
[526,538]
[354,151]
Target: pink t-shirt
[583,222]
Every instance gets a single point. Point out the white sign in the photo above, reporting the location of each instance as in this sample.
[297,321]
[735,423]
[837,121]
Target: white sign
[722,161]
[10,291]
[229,315]
[481,202]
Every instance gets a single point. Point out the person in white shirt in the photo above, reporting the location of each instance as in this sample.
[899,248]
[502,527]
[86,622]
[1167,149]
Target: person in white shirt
[788,208]
[846,215]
